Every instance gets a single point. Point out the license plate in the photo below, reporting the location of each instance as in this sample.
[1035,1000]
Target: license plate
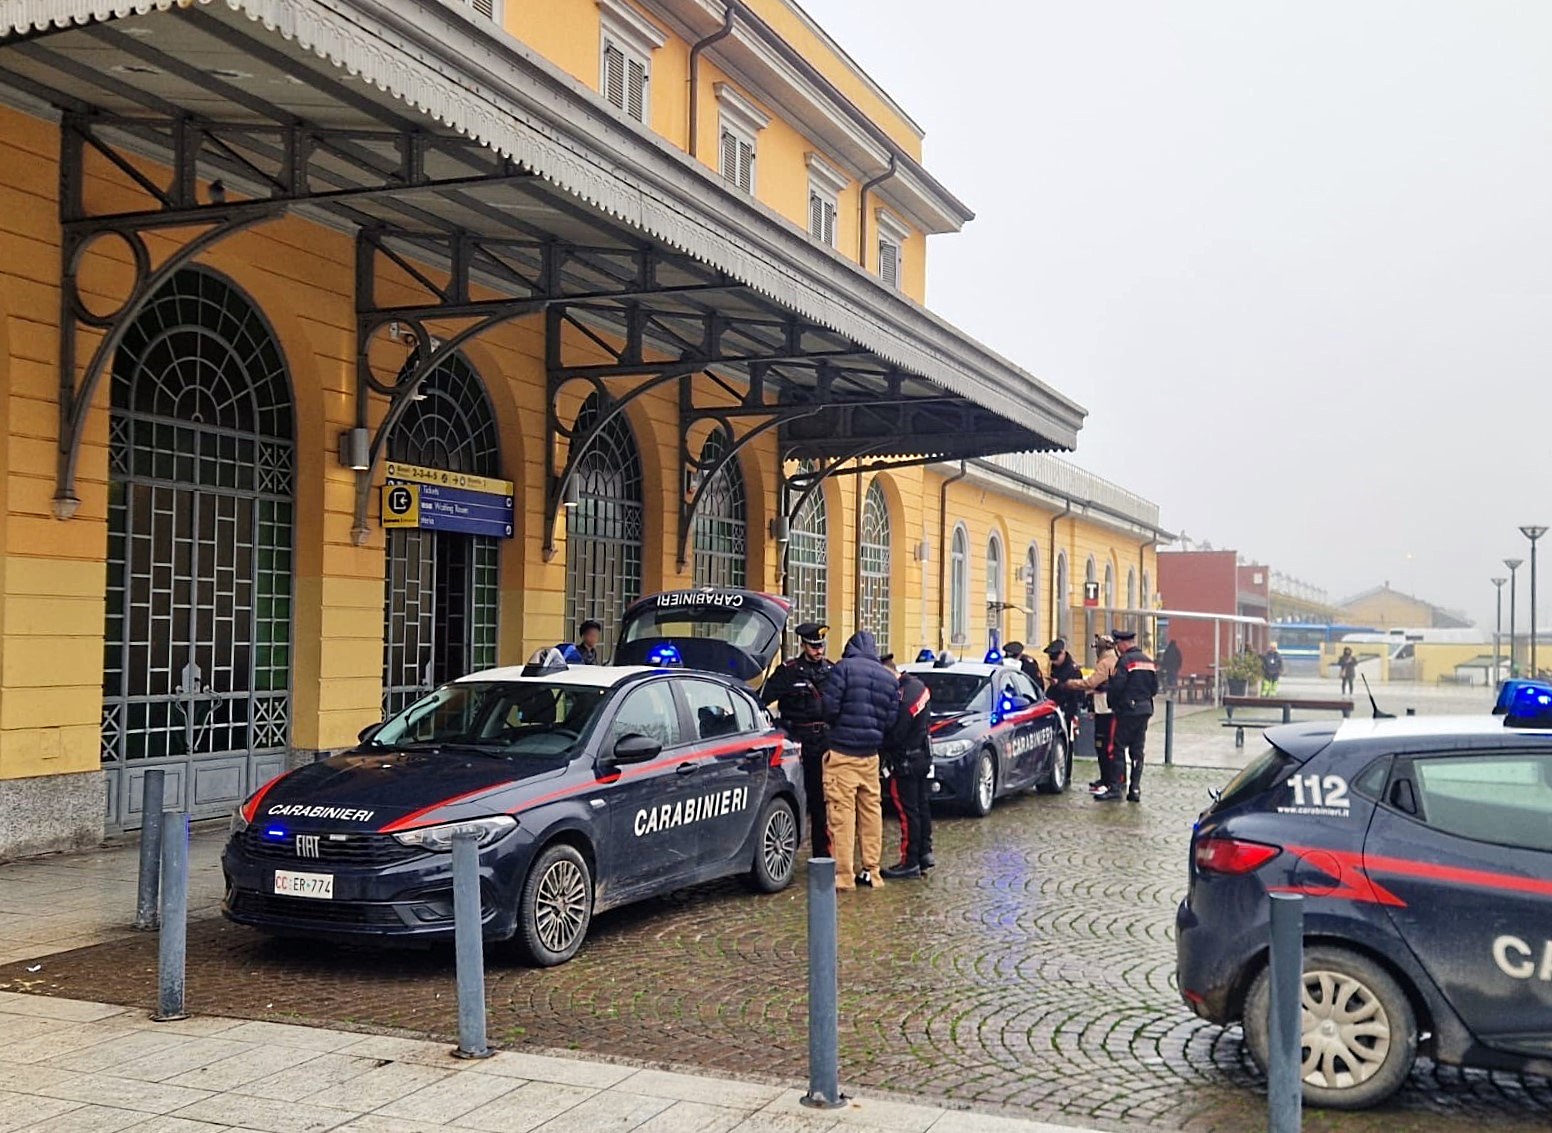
[288,884]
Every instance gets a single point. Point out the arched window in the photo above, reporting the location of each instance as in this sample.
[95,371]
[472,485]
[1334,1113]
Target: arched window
[603,532]
[197,634]
[808,556]
[1131,597]
[440,591]
[873,548]
[1061,613]
[995,596]
[1032,632]
[721,521]
[1147,591]
[959,588]
[1109,601]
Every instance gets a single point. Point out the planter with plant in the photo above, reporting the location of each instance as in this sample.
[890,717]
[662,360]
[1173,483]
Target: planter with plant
[1243,672]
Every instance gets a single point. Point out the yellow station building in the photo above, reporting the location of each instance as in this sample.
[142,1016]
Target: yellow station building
[347,346]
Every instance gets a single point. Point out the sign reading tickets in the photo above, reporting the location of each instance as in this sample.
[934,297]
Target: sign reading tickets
[434,499]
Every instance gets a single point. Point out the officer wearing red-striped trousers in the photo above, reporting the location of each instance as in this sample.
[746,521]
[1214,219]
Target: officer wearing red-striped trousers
[1131,691]
[907,754]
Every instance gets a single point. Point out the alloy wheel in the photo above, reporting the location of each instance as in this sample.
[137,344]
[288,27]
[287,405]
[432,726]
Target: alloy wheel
[779,843]
[560,905]
[985,783]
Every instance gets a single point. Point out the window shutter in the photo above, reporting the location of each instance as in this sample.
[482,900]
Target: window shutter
[889,263]
[816,215]
[746,166]
[730,150]
[614,75]
[635,89]
[486,8]
[829,224]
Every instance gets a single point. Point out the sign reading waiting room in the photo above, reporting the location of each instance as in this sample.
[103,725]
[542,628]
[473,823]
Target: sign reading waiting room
[434,499]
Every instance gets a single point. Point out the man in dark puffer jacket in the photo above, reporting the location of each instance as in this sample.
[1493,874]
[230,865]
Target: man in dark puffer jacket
[861,701]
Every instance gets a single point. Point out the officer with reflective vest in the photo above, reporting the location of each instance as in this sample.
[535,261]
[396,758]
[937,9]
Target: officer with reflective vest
[797,688]
[1130,691]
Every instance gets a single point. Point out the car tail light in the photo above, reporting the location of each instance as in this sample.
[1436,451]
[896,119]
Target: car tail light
[1233,856]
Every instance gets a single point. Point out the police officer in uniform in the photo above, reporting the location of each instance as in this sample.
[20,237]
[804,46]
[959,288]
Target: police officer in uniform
[1062,669]
[907,753]
[1131,690]
[797,689]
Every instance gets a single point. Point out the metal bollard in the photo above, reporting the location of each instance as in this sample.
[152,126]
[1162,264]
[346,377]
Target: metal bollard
[1285,1089]
[1411,712]
[153,784]
[172,944]
[824,1054]
[1169,730]
[469,946]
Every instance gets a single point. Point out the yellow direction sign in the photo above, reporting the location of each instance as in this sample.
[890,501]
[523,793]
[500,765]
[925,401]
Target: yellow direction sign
[417,474]
[401,505]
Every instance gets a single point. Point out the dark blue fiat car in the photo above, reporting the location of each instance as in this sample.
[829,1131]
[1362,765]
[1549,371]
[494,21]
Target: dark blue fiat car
[1423,849]
[589,787]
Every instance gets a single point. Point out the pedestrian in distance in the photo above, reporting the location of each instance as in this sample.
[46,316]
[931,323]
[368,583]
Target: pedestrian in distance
[1271,670]
[797,689]
[1170,664]
[584,651]
[907,757]
[1014,651]
[861,702]
[1131,690]
[1112,770]
[1062,669]
[1347,669]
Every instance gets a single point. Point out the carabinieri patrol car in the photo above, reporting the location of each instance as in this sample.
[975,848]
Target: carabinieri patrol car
[993,733]
[589,787]
[1423,849]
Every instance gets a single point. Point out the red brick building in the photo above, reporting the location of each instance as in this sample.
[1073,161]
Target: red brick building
[1213,582]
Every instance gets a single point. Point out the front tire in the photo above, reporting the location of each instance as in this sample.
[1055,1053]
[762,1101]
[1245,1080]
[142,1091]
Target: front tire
[555,908]
[1060,778]
[775,848]
[1359,1030]
[983,786]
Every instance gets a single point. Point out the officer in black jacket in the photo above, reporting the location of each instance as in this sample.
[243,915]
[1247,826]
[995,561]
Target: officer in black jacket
[797,689]
[1063,668]
[907,754]
[1131,691]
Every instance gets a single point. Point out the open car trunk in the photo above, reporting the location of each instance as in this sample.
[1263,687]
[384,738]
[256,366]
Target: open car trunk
[736,633]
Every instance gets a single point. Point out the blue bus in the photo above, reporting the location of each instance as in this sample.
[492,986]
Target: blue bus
[1300,642]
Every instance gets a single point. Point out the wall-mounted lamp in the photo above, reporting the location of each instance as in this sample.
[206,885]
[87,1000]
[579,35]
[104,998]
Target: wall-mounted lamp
[217,192]
[781,529]
[419,392]
[355,451]
[924,552]
[573,495]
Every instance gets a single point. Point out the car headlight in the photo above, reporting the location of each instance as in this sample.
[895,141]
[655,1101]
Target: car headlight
[238,823]
[439,839]
[950,749]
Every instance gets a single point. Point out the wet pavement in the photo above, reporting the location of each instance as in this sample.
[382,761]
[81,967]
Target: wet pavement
[1032,971]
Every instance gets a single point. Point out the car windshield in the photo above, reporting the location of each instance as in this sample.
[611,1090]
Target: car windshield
[527,719]
[745,629]
[955,692]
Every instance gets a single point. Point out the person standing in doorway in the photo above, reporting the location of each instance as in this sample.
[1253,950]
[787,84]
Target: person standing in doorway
[861,703]
[1271,670]
[1347,669]
[1131,690]
[1170,665]
[907,755]
[797,688]
[584,651]
[1112,771]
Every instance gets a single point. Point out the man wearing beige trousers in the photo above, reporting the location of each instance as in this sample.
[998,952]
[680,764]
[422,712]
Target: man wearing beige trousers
[861,700]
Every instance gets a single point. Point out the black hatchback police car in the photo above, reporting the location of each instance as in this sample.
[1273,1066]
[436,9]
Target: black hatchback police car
[589,787]
[1423,848]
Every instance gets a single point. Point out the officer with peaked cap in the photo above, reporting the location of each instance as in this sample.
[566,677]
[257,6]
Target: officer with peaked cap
[797,688]
[1131,690]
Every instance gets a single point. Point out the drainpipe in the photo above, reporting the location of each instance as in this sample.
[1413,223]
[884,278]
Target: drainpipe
[695,71]
[943,551]
[1056,610]
[862,217]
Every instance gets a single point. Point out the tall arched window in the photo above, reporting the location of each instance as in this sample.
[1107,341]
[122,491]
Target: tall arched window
[1131,597]
[440,592]
[996,598]
[1147,591]
[959,587]
[1109,601]
[873,548]
[1061,612]
[603,532]
[1032,631]
[808,557]
[721,521]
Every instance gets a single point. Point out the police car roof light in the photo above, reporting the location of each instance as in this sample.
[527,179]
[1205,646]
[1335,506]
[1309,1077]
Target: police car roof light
[544,662]
[1530,706]
[1511,689]
[926,657]
[994,656]
[665,656]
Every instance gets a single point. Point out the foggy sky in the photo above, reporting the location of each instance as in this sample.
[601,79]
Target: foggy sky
[1293,257]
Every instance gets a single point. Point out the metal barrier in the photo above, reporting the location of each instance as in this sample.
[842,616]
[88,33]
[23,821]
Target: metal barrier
[1285,1062]
[172,943]
[152,785]
[469,946]
[824,1058]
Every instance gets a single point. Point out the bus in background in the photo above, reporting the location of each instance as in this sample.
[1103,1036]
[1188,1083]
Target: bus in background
[1300,643]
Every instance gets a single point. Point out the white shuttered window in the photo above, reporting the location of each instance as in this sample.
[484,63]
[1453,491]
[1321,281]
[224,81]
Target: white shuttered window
[625,68]
[821,217]
[738,159]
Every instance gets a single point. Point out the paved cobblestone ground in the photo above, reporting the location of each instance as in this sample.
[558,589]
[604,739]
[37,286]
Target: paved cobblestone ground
[1031,971]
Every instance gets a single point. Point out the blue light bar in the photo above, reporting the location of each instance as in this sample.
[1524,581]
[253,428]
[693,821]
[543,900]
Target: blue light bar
[926,657]
[1509,693]
[275,833]
[665,656]
[1529,704]
[994,656]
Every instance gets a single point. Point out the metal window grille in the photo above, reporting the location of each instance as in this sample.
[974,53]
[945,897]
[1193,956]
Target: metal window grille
[441,589]
[994,596]
[197,633]
[604,530]
[721,522]
[873,548]
[959,588]
[1063,605]
[808,558]
[1032,596]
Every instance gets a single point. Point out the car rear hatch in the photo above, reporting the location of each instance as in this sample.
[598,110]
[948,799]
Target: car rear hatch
[735,633]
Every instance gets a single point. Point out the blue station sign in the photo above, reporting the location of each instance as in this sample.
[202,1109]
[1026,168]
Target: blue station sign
[435,499]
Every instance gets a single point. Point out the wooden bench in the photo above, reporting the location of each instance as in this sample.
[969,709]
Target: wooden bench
[1286,703]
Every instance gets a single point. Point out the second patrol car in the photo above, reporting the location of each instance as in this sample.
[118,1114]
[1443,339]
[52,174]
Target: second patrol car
[1423,849]
[993,734]
[588,787]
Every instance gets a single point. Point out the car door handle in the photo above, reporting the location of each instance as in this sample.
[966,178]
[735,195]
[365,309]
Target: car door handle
[687,769]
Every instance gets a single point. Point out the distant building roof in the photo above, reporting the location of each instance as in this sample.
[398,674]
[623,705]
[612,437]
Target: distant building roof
[1439,617]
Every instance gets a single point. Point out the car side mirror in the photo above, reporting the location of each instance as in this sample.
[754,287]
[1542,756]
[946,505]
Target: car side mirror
[633,747]
[367,734]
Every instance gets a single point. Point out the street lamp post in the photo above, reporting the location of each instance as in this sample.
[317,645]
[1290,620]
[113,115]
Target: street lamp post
[1514,659]
[1533,532]
[1498,585]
